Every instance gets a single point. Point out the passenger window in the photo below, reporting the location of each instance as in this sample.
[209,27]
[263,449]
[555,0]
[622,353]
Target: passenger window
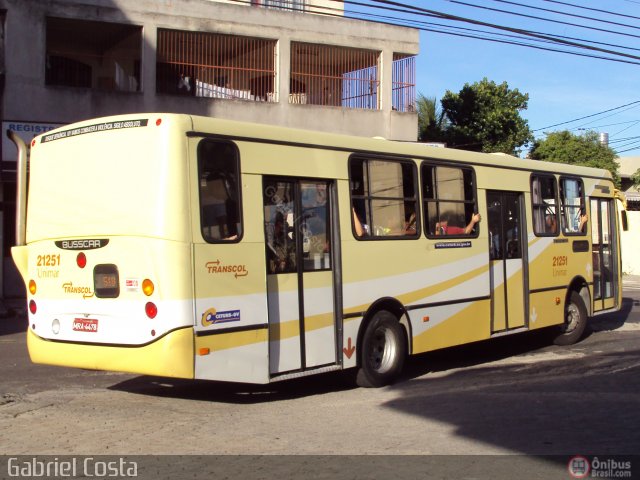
[545,211]
[450,206]
[574,214]
[219,180]
[383,198]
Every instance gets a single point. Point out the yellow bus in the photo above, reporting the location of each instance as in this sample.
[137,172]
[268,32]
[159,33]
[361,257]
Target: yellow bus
[192,247]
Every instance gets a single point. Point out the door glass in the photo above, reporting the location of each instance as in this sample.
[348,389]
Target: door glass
[279,227]
[596,241]
[607,265]
[315,226]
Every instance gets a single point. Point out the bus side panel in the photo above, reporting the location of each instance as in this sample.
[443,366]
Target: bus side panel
[230,297]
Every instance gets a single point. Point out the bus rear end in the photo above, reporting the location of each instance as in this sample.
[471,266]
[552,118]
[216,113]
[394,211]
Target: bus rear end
[107,259]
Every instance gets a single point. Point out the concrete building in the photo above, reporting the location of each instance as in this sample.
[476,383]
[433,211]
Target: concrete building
[630,238]
[290,62]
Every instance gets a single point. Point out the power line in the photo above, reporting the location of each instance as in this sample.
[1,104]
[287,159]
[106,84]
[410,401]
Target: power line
[428,12]
[558,12]
[593,9]
[587,116]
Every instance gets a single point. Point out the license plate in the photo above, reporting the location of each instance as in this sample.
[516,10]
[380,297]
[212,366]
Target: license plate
[85,325]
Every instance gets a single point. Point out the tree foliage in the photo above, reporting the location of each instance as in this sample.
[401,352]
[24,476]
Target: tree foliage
[431,120]
[566,147]
[485,116]
[635,178]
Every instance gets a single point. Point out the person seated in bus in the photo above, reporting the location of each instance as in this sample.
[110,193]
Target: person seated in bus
[584,218]
[443,227]
[359,228]
[282,254]
[550,223]
[410,224]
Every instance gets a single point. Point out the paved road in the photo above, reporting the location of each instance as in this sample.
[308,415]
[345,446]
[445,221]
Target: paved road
[510,396]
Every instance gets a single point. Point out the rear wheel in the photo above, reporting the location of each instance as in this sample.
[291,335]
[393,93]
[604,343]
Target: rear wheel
[575,321]
[382,351]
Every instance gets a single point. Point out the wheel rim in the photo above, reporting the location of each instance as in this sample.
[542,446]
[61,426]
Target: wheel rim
[382,350]
[572,318]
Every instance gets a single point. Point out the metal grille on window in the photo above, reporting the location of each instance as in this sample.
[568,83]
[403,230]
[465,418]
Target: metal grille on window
[334,76]
[216,66]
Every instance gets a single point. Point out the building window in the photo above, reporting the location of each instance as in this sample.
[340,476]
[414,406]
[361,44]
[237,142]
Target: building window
[450,206]
[219,180]
[383,198]
[334,76]
[545,211]
[404,83]
[290,5]
[89,54]
[573,210]
[216,66]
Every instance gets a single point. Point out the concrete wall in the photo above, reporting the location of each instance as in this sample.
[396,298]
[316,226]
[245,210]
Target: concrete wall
[630,241]
[26,98]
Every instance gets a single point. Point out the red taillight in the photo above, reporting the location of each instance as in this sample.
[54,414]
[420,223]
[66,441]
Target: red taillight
[151,310]
[33,308]
[158,122]
[81,260]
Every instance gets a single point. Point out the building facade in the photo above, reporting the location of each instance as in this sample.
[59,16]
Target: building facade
[296,63]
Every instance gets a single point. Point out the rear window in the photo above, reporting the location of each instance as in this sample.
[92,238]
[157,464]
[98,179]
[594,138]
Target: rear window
[219,180]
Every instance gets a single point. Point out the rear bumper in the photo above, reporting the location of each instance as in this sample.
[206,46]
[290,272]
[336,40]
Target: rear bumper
[170,356]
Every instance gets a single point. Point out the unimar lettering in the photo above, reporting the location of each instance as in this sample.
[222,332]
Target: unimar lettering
[83,244]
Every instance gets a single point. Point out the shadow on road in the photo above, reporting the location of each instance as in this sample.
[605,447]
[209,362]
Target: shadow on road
[13,323]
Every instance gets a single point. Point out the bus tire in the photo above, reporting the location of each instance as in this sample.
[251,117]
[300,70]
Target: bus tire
[382,351]
[575,321]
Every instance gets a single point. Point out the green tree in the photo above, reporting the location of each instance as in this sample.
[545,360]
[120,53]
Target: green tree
[566,147]
[431,120]
[635,178]
[486,117]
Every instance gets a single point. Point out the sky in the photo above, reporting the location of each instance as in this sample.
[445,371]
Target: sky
[561,87]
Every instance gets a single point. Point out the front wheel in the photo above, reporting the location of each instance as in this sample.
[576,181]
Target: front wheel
[575,321]
[383,350]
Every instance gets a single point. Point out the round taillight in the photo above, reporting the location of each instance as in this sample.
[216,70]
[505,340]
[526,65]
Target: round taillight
[33,142]
[32,287]
[81,260]
[33,308]
[158,122]
[148,287]
[151,310]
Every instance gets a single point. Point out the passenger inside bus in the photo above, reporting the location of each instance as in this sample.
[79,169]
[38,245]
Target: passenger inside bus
[443,227]
[281,250]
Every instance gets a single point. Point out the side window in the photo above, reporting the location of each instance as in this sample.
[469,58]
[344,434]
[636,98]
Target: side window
[573,212]
[219,180]
[449,201]
[545,211]
[383,198]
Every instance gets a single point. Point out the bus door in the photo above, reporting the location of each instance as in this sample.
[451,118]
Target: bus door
[604,254]
[300,248]
[508,266]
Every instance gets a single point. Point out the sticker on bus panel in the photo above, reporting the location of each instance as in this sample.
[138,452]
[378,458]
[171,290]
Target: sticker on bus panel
[97,127]
[85,244]
[85,325]
[213,317]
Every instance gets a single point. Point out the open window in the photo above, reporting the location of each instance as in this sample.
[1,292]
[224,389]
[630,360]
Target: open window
[450,206]
[573,210]
[90,54]
[545,205]
[383,198]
